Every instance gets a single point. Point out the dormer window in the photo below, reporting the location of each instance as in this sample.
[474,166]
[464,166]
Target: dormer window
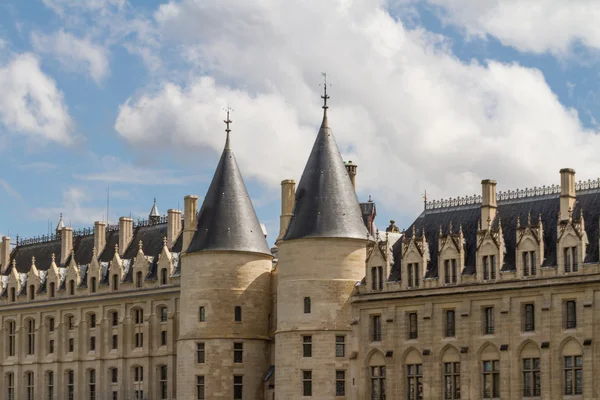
[377,278]
[489,267]
[450,271]
[570,259]
[529,263]
[414,273]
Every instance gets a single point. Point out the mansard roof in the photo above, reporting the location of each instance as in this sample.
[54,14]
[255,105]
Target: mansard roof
[42,252]
[545,207]
[326,204]
[227,220]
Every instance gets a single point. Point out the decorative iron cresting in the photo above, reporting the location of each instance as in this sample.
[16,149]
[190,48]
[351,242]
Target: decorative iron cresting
[535,191]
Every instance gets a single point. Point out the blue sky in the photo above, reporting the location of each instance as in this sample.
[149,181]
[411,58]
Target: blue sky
[426,95]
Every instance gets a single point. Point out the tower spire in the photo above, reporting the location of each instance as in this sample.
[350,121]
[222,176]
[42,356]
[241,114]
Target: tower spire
[227,128]
[325,97]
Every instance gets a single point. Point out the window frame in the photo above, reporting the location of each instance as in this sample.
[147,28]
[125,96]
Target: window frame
[412,330]
[307,380]
[493,374]
[531,377]
[200,352]
[376,332]
[451,380]
[414,381]
[306,346]
[528,310]
[307,305]
[449,323]
[575,370]
[340,346]
[238,387]
[340,382]
[570,314]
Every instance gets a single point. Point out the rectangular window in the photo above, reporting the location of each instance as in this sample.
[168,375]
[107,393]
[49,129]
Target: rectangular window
[340,383]
[92,385]
[451,380]
[139,339]
[163,382]
[71,345]
[30,337]
[115,342]
[528,318]
[447,272]
[340,346]
[413,330]
[114,375]
[529,263]
[488,321]
[491,379]
[376,328]
[374,278]
[571,317]
[10,386]
[450,328]
[238,314]
[378,383]
[380,278]
[29,381]
[50,324]
[202,314]
[12,338]
[70,322]
[93,343]
[138,382]
[238,352]
[50,385]
[200,353]
[200,387]
[306,346]
[489,267]
[164,314]
[531,377]
[163,338]
[573,375]
[115,395]
[414,384]
[570,259]
[115,318]
[450,271]
[414,275]
[92,320]
[307,383]
[238,387]
[51,346]
[70,385]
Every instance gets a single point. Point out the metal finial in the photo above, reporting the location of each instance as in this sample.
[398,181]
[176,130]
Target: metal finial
[425,200]
[227,123]
[325,97]
[155,200]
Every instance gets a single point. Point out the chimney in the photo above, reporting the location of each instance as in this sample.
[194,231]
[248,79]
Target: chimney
[351,168]
[488,203]
[99,236]
[125,233]
[288,194]
[190,210]
[567,193]
[173,226]
[66,243]
[5,252]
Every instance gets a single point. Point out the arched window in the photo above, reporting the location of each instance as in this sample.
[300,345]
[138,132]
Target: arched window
[138,382]
[31,292]
[72,287]
[307,305]
[163,313]
[92,384]
[530,371]
[115,282]
[52,289]
[451,373]
[30,325]
[572,366]
[163,276]
[414,375]
[12,338]
[377,376]
[30,385]
[202,314]
[138,279]
[93,284]
[490,364]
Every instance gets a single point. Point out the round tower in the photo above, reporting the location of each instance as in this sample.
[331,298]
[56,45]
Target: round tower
[225,294]
[321,257]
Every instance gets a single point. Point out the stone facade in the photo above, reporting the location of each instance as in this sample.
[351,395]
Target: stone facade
[490,296]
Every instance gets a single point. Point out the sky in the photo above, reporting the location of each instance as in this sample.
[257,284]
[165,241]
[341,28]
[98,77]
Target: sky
[126,98]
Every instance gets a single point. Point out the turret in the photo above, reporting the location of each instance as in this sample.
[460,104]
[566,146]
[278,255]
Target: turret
[225,291]
[321,258]
[154,216]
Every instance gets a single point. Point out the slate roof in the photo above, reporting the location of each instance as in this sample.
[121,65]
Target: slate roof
[42,253]
[326,204]
[227,220]
[546,206]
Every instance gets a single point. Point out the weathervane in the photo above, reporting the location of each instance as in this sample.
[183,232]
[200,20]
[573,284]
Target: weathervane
[324,97]
[227,121]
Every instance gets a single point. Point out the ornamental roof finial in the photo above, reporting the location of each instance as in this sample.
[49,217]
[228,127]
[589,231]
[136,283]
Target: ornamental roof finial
[325,97]
[227,128]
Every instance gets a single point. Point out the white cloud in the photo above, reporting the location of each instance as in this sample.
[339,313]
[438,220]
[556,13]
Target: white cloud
[30,103]
[116,171]
[10,190]
[74,54]
[74,208]
[403,107]
[537,26]
[62,7]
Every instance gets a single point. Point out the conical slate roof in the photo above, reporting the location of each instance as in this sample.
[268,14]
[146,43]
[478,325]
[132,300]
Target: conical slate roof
[227,220]
[326,203]
[154,211]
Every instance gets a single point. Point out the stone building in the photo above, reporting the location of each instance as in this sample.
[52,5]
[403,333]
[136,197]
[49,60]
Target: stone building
[483,297]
